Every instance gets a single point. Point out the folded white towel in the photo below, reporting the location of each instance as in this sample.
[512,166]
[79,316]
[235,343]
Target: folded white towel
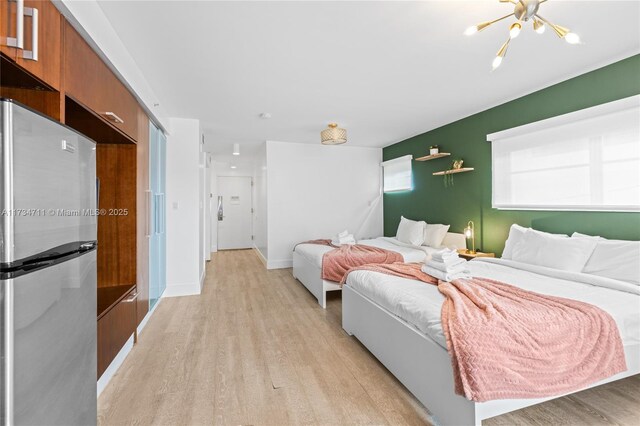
[446,255]
[342,239]
[444,276]
[451,268]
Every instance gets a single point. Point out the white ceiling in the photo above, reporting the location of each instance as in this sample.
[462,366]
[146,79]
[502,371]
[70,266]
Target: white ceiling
[383,70]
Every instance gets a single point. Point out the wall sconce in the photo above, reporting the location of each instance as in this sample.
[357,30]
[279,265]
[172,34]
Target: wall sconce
[469,233]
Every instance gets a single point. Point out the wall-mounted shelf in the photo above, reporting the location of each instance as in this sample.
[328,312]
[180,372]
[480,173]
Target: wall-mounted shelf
[434,156]
[452,171]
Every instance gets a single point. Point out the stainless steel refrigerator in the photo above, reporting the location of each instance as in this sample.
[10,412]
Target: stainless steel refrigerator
[48,271]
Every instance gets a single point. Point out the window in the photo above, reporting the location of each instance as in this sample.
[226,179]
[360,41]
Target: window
[397,174]
[586,160]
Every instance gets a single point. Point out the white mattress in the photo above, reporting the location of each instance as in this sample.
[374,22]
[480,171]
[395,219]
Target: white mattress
[419,304]
[314,252]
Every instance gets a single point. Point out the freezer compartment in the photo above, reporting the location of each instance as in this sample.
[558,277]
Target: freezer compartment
[47,184]
[49,346]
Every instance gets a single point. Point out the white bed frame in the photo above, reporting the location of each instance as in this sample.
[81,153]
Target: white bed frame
[424,366]
[310,275]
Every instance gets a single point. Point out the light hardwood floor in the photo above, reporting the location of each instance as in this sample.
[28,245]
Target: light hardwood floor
[256,348]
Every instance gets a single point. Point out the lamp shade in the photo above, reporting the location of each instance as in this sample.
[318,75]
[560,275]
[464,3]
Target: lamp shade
[333,135]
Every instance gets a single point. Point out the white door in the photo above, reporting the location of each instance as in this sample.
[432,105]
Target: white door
[234,213]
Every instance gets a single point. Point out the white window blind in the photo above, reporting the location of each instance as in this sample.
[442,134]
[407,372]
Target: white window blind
[586,160]
[397,174]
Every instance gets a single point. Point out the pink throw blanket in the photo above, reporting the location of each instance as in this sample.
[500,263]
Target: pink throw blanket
[336,263]
[506,342]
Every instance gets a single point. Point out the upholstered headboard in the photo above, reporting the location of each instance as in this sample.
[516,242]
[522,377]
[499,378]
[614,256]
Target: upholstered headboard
[454,241]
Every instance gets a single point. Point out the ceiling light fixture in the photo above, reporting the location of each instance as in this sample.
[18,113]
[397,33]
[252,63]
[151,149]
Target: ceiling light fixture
[236,149]
[333,135]
[234,167]
[524,11]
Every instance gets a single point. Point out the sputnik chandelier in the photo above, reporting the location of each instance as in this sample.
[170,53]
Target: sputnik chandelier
[524,11]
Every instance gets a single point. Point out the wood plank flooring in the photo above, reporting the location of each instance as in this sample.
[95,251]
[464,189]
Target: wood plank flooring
[256,349]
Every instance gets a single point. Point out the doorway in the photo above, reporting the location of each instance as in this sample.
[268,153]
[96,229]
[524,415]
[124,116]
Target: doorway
[234,211]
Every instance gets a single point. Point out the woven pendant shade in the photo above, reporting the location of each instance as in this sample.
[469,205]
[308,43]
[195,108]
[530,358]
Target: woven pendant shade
[333,135]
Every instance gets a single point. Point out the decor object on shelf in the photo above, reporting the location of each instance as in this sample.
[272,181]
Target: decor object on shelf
[470,234]
[434,149]
[433,156]
[448,177]
[333,135]
[524,11]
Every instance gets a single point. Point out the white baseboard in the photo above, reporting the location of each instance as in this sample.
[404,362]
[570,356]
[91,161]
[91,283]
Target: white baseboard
[145,320]
[280,264]
[112,369]
[260,256]
[202,277]
[183,289]
[214,248]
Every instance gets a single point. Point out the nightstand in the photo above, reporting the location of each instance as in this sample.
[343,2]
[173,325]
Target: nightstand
[463,254]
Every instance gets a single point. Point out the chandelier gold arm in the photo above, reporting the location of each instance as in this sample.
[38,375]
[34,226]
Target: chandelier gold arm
[560,31]
[484,25]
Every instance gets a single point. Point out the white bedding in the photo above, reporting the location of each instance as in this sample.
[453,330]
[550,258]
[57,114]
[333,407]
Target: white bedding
[419,304]
[314,252]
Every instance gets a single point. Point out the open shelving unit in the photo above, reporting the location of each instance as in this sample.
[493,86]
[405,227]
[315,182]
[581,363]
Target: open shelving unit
[452,171]
[434,156]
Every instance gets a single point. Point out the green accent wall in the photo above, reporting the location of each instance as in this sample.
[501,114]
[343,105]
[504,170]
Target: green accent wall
[470,196]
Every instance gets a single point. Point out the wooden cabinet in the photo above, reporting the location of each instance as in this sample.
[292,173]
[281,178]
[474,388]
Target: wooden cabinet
[43,39]
[91,83]
[116,322]
[7,27]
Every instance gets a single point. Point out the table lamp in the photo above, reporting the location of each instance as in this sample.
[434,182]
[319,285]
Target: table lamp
[469,233]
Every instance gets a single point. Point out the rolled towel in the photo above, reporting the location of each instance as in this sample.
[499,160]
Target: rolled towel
[444,276]
[458,266]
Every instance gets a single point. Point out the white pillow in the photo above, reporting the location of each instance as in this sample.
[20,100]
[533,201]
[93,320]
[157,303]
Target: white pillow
[410,231]
[615,259]
[515,236]
[553,251]
[434,234]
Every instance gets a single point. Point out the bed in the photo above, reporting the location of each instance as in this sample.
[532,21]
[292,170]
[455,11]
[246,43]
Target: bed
[307,260]
[398,320]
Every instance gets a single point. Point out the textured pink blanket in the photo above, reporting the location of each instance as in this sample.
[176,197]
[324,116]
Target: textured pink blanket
[506,342]
[336,263]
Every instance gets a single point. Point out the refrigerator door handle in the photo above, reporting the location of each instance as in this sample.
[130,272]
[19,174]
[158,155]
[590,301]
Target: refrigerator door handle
[18,40]
[33,53]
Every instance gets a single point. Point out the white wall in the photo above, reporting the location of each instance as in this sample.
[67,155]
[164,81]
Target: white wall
[207,207]
[183,212]
[316,191]
[213,201]
[260,203]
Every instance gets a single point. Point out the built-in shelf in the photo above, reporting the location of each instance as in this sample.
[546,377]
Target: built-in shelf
[434,156]
[452,171]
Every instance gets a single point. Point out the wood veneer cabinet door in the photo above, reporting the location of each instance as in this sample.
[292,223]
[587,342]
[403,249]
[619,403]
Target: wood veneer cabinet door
[91,83]
[49,42]
[143,202]
[114,329]
[7,27]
